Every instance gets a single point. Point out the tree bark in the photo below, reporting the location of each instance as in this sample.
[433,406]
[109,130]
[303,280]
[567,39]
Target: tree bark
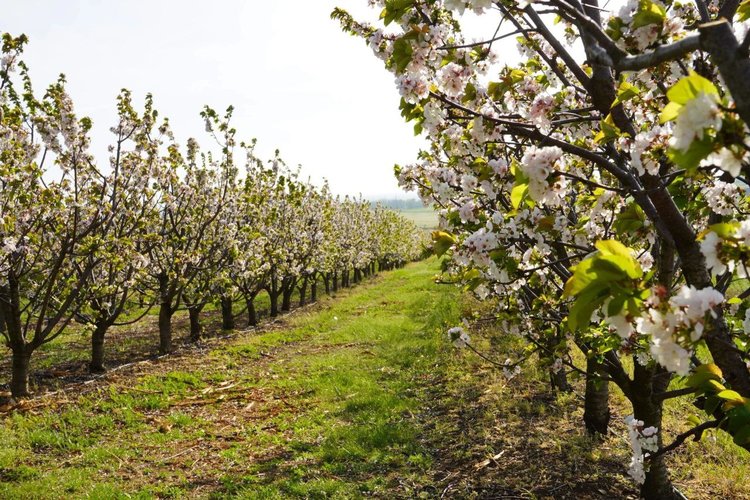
[596,412]
[648,409]
[165,327]
[335,282]
[19,382]
[274,304]
[314,291]
[327,283]
[303,292]
[195,323]
[286,295]
[97,350]
[252,315]
[227,318]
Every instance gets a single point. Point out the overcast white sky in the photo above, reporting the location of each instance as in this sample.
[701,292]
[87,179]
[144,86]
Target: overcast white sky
[297,82]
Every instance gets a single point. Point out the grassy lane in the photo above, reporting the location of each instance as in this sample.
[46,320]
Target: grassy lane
[321,403]
[356,396]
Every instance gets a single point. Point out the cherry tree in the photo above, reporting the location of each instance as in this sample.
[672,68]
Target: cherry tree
[593,184]
[49,213]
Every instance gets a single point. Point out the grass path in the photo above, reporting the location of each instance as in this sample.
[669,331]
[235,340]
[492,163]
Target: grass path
[356,396]
[320,403]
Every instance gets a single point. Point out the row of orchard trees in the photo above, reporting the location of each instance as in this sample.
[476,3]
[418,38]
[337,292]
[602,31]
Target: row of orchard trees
[594,186]
[165,226]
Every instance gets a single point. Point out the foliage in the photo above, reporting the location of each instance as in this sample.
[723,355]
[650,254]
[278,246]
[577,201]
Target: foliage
[598,181]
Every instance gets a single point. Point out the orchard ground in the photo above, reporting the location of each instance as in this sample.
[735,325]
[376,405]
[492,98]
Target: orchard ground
[356,395]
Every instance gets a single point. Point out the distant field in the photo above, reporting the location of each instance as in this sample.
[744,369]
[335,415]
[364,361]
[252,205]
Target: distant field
[424,218]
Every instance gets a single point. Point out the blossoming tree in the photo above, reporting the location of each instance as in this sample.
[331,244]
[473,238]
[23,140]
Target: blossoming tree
[593,184]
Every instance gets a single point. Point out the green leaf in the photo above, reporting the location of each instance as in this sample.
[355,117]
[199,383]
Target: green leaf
[618,255]
[725,230]
[688,88]
[648,13]
[394,10]
[691,158]
[743,11]
[616,304]
[442,242]
[402,52]
[470,93]
[703,374]
[612,247]
[730,395]
[606,268]
[630,220]
[585,305]
[608,131]
[670,112]
[713,386]
[625,92]
[614,28]
[517,195]
[580,279]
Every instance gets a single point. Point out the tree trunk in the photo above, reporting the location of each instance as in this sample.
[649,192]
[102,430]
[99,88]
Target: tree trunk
[227,318]
[97,350]
[596,400]
[274,304]
[303,292]
[327,283]
[559,380]
[286,295]
[335,282]
[314,291]
[646,408]
[165,328]
[252,315]
[19,382]
[195,323]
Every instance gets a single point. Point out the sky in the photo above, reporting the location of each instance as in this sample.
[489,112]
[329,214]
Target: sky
[297,82]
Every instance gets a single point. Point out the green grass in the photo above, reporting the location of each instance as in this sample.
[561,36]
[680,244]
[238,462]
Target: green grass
[358,396]
[334,389]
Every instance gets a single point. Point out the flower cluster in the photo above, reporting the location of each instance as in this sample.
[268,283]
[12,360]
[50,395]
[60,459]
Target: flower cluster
[642,442]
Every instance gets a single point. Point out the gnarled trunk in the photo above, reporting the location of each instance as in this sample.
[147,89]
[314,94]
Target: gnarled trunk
[252,315]
[195,323]
[227,318]
[648,409]
[286,295]
[165,328]
[274,304]
[596,412]
[97,349]
[19,382]
[303,292]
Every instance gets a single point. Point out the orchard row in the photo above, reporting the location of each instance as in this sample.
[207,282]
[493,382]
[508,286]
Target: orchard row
[165,227]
